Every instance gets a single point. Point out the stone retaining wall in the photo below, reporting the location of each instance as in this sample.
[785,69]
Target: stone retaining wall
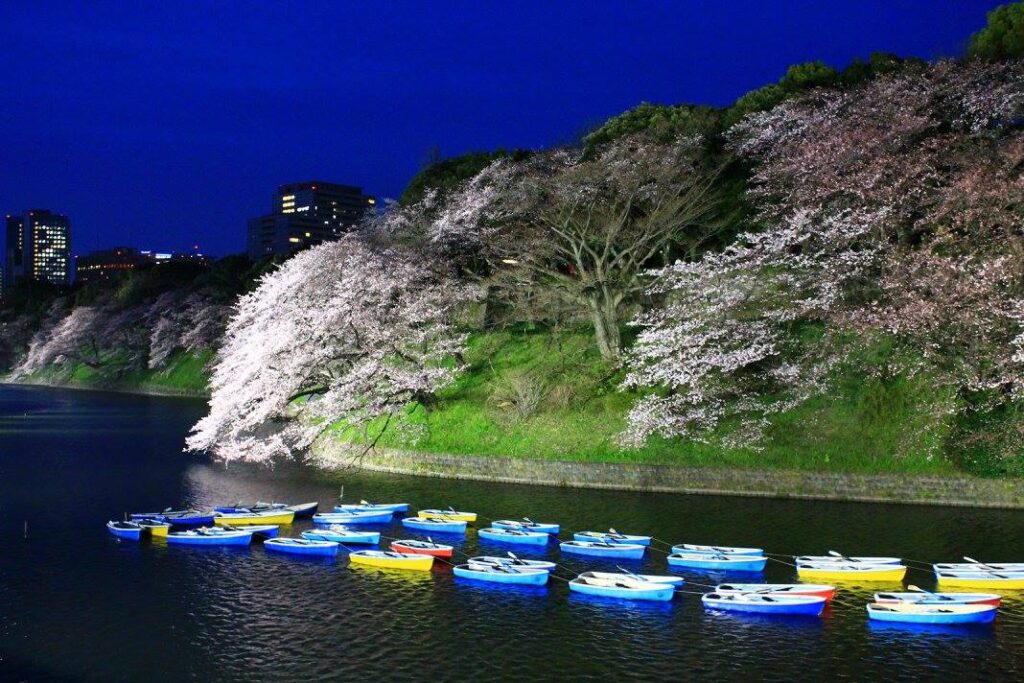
[930,490]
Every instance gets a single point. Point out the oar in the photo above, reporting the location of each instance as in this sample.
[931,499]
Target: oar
[986,567]
[515,559]
[833,553]
[915,589]
[626,571]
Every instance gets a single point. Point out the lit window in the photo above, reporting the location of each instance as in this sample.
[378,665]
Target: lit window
[294,240]
[288,211]
[287,197]
[309,234]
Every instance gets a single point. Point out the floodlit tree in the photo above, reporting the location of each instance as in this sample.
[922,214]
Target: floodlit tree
[891,209]
[343,334]
[587,225]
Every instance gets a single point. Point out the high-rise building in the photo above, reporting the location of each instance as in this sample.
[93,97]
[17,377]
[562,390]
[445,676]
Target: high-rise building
[304,214]
[14,246]
[37,246]
[48,247]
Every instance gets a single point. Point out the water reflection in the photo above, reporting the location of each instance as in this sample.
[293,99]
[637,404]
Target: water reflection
[245,614]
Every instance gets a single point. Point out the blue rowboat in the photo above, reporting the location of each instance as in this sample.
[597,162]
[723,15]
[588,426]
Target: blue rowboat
[376,507]
[621,551]
[914,613]
[843,559]
[435,526]
[920,597]
[356,517]
[300,510]
[513,562]
[526,525]
[341,534]
[648,578]
[177,517]
[130,531]
[209,536]
[692,548]
[729,563]
[622,588]
[502,573]
[514,536]
[611,537]
[302,546]
[757,603]
[262,530]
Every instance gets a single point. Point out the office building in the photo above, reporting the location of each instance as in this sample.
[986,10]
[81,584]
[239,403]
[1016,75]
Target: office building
[37,246]
[304,214]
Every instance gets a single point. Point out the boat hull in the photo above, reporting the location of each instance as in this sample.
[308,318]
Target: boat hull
[879,573]
[176,518]
[938,598]
[231,538]
[648,578]
[242,519]
[372,507]
[311,548]
[455,516]
[968,614]
[349,538]
[154,528]
[616,551]
[530,577]
[126,534]
[651,591]
[982,580]
[439,550]
[626,539]
[693,548]
[421,563]
[508,536]
[734,563]
[805,605]
[825,559]
[264,530]
[417,523]
[371,517]
[527,526]
[777,589]
[528,564]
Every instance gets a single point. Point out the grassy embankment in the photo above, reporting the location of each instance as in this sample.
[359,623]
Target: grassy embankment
[865,425]
[183,375]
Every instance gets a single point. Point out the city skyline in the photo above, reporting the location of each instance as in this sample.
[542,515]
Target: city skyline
[142,138]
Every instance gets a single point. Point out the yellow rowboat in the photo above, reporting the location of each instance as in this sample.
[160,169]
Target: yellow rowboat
[1004,580]
[830,571]
[155,529]
[250,518]
[450,515]
[390,560]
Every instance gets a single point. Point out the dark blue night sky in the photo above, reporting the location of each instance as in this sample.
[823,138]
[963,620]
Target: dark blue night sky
[167,124]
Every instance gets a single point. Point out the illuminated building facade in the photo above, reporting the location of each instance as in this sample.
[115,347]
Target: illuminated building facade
[38,247]
[304,214]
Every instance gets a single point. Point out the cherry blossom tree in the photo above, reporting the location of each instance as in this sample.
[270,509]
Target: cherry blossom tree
[891,209]
[585,224]
[341,336]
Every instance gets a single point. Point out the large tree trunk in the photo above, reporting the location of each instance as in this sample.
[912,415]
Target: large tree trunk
[605,314]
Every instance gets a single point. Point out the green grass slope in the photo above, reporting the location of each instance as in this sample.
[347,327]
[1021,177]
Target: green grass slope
[183,375]
[550,396]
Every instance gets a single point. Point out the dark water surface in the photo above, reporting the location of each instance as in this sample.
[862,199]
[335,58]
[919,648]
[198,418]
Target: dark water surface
[76,604]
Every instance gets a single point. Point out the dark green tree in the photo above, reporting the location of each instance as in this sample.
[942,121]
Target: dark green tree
[1003,35]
